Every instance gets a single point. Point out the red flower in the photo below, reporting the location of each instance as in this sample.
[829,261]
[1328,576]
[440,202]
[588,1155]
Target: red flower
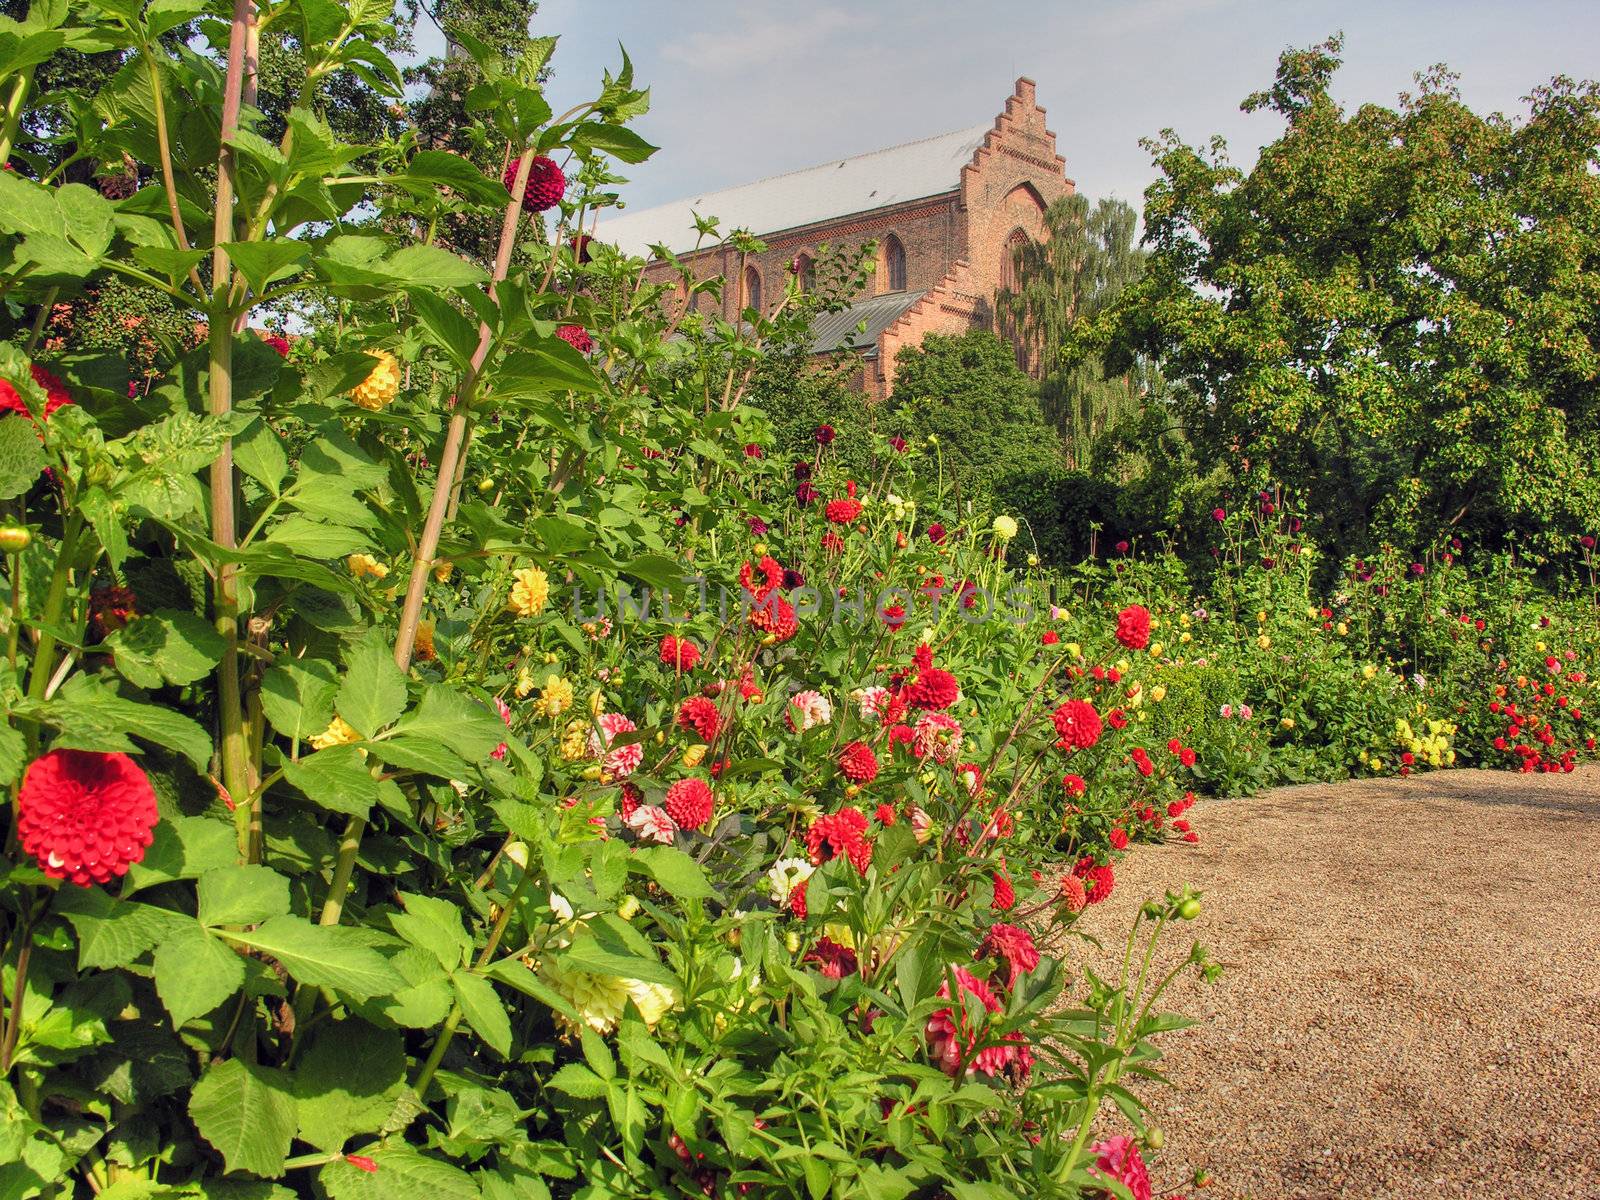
[752,449]
[898,443]
[1133,627]
[884,814]
[1049,638]
[632,798]
[1116,718]
[936,534]
[932,689]
[1072,893]
[1078,725]
[840,833]
[679,653]
[832,543]
[1118,1159]
[802,470]
[797,899]
[858,763]
[55,393]
[1122,547]
[894,616]
[1101,881]
[579,244]
[546,184]
[824,435]
[1187,756]
[954,1034]
[278,343]
[1074,785]
[1005,896]
[834,961]
[805,494]
[689,803]
[112,606]
[1014,945]
[1119,839]
[1218,514]
[85,816]
[774,616]
[701,715]
[842,512]
[1586,541]
[576,337]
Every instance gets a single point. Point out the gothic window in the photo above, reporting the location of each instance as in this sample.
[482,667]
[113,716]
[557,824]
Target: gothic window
[805,272]
[752,289]
[1008,259]
[891,264]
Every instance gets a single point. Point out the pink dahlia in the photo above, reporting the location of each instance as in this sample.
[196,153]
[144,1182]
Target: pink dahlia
[954,1034]
[1014,946]
[624,760]
[1118,1159]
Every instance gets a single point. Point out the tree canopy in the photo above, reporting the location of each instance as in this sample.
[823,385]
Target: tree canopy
[1394,311]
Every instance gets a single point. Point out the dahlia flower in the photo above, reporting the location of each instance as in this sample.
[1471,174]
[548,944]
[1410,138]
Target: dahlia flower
[86,817]
[1133,627]
[840,833]
[1014,945]
[555,697]
[651,822]
[499,752]
[871,701]
[954,1033]
[701,715]
[858,763]
[56,395]
[1005,528]
[679,653]
[338,733]
[785,875]
[807,710]
[1077,724]
[381,385]
[622,761]
[938,736]
[546,184]
[577,337]
[1118,1159]
[530,590]
[833,960]
[689,803]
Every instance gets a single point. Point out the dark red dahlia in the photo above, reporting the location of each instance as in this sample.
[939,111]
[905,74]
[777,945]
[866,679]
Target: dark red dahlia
[802,471]
[858,763]
[752,449]
[546,184]
[579,244]
[112,606]
[679,653]
[805,495]
[936,534]
[832,959]
[1077,724]
[840,834]
[825,435]
[701,715]
[85,817]
[279,343]
[898,444]
[832,543]
[1133,627]
[632,797]
[689,803]
[577,337]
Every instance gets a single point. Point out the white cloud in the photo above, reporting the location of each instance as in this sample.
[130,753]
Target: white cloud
[758,35]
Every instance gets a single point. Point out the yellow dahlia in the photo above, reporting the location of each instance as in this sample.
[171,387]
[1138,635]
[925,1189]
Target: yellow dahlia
[443,570]
[525,683]
[575,741]
[364,564]
[424,641]
[338,733]
[599,999]
[556,698]
[529,592]
[381,386]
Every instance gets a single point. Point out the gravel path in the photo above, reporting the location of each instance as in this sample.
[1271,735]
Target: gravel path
[1411,1006]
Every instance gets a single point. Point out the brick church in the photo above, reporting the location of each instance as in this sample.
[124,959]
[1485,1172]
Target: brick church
[947,213]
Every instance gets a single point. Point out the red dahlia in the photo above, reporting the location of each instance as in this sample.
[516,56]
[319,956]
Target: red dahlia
[1133,627]
[679,653]
[1014,945]
[85,816]
[701,715]
[55,394]
[1118,1158]
[689,803]
[858,763]
[840,833]
[832,959]
[1077,724]
[1101,881]
[842,512]
[1005,896]
[577,337]
[1072,893]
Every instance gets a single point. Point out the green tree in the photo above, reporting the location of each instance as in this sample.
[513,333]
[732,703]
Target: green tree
[968,392]
[1073,274]
[1394,310]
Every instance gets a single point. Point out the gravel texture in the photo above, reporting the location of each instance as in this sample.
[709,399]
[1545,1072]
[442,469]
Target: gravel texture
[1411,1005]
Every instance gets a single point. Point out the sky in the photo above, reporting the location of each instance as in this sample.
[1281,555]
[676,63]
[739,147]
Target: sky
[742,90]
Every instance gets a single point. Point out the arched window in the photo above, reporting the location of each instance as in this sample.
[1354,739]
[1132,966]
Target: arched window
[752,289]
[1008,259]
[804,272]
[891,264]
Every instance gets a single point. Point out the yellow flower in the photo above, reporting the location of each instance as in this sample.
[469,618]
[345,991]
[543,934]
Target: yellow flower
[443,570]
[1341,629]
[1287,722]
[338,733]
[1369,671]
[575,740]
[597,702]
[693,756]
[1005,528]
[1264,642]
[424,641]
[599,999]
[1033,560]
[364,564]
[653,1000]
[1074,650]
[1156,648]
[530,591]
[380,386]
[1262,617]
[1185,637]
[525,684]
[1158,693]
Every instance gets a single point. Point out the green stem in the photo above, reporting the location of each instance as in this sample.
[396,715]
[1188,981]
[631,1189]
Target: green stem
[14,106]
[55,602]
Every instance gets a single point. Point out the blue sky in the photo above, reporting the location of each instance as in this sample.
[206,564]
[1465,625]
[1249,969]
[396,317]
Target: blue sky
[741,90]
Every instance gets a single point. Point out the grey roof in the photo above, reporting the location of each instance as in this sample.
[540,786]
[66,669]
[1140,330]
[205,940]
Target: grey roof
[837,330]
[834,189]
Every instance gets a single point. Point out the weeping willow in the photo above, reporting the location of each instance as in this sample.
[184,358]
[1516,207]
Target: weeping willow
[1075,271]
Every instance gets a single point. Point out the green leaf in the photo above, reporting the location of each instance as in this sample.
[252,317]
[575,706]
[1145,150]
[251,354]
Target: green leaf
[247,1113]
[373,694]
[337,778]
[484,1010]
[195,972]
[264,263]
[587,955]
[242,895]
[297,696]
[92,717]
[433,266]
[113,933]
[21,455]
[260,455]
[575,1079]
[448,329]
[183,848]
[435,925]
[310,538]
[324,956]
[347,1082]
[676,872]
[618,141]
[430,170]
[548,368]
[166,646]
[463,724]
[402,1174]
